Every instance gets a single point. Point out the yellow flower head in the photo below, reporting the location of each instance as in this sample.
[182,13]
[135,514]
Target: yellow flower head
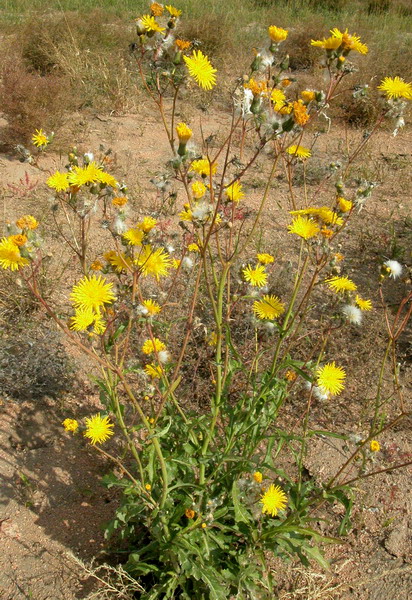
[19,240]
[304,227]
[234,192]
[193,248]
[308,96]
[59,181]
[330,379]
[70,425]
[265,259]
[201,70]
[119,201]
[182,45]
[152,307]
[349,42]
[156,9]
[299,152]
[256,87]
[96,265]
[107,179]
[154,262]
[120,262]
[326,232]
[40,139]
[341,284]
[189,513]
[291,375]
[10,257]
[84,175]
[273,500]
[258,477]
[255,276]
[153,371]
[147,224]
[134,236]
[184,133]
[27,222]
[203,167]
[324,213]
[92,293]
[363,304]
[330,43]
[300,113]
[154,345]
[98,429]
[150,24]
[277,34]
[374,446]
[269,307]
[186,214]
[85,319]
[173,12]
[396,87]
[198,189]
[175,263]
[344,205]
[279,100]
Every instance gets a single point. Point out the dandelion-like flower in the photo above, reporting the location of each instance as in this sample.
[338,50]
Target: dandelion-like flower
[273,500]
[150,24]
[40,139]
[193,247]
[394,268]
[153,371]
[147,224]
[374,446]
[341,284]
[300,113]
[86,320]
[201,69]
[304,227]
[70,425]
[59,181]
[203,167]
[154,345]
[173,12]
[154,262]
[107,179]
[396,87]
[134,236]
[256,87]
[324,213]
[349,41]
[363,304]
[279,101]
[277,34]
[258,477]
[19,240]
[256,276]
[330,378]
[265,259]
[269,307]
[120,262]
[344,205]
[96,265]
[352,313]
[91,173]
[198,189]
[184,133]
[119,201]
[10,257]
[308,95]
[182,45]
[92,293]
[234,192]
[27,222]
[156,9]
[299,151]
[152,307]
[98,429]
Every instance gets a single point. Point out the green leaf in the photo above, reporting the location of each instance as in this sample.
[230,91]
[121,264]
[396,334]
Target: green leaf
[242,515]
[316,554]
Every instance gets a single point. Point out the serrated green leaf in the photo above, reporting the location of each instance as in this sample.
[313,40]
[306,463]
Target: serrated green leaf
[242,515]
[316,554]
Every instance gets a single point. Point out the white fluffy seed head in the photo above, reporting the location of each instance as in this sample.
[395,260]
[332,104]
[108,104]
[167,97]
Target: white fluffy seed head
[164,356]
[394,267]
[352,313]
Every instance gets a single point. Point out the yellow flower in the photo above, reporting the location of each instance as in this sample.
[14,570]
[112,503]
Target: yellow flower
[300,113]
[304,227]
[154,345]
[212,340]
[27,222]
[10,257]
[59,181]
[182,45]
[154,262]
[344,205]
[186,215]
[150,24]
[84,175]
[147,224]
[40,139]
[330,378]
[363,304]
[120,262]
[184,133]
[374,446]
[255,276]
[269,307]
[119,201]
[148,487]
[258,477]
[396,87]
[96,265]
[70,425]
[174,12]
[152,307]
[156,9]
[285,82]
[98,429]
[277,34]
[201,70]
[308,95]
[92,293]
[299,152]
[234,192]
[198,189]
[341,284]
[107,179]
[85,318]
[280,103]
[324,213]
[330,43]
[265,259]
[203,167]
[134,236]
[256,87]
[193,248]
[189,513]
[19,240]
[326,232]
[153,371]
[349,42]
[291,375]
[175,263]
[204,525]
[273,500]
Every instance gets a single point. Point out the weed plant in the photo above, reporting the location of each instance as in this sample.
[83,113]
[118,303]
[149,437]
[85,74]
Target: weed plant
[205,500]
